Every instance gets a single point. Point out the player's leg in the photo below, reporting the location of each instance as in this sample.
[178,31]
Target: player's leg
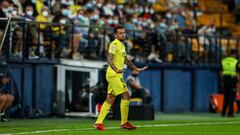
[105,108]
[120,88]
[104,111]
[124,107]
[106,105]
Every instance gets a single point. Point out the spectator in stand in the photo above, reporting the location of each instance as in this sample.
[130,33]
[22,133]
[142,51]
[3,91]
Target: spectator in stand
[104,38]
[154,55]
[56,7]
[62,33]
[161,28]
[207,39]
[129,26]
[14,11]
[180,18]
[73,7]
[43,18]
[32,33]
[28,15]
[139,15]
[4,4]
[16,30]
[81,28]
[42,28]
[109,8]
[19,5]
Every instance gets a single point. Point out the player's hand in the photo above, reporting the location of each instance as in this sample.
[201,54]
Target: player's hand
[142,69]
[119,71]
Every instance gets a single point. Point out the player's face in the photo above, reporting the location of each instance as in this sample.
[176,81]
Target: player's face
[120,34]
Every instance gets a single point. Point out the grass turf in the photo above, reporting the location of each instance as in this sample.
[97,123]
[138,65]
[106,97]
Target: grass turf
[164,124]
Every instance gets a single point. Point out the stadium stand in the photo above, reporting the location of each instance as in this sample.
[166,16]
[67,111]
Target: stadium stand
[81,29]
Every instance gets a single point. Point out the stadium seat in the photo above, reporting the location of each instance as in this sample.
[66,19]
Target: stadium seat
[214,5]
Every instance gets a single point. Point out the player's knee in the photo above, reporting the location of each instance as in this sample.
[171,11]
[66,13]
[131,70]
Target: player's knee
[126,96]
[111,99]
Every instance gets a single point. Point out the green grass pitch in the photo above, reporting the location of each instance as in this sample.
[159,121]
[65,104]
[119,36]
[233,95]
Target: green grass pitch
[164,124]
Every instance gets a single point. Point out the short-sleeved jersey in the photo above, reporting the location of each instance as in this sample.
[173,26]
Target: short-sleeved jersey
[117,48]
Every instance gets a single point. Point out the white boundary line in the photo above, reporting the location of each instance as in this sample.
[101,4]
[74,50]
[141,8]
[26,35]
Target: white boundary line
[141,126]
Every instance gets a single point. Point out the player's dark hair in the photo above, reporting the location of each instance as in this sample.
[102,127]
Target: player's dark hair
[118,27]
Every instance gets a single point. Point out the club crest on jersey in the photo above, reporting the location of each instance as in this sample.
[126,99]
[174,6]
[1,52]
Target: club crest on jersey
[113,48]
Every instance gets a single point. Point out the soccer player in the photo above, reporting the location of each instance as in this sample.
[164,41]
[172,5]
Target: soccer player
[116,58]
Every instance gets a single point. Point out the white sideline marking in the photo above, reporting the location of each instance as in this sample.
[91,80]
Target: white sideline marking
[154,125]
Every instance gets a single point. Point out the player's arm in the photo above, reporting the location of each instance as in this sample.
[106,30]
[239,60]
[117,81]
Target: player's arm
[110,57]
[134,67]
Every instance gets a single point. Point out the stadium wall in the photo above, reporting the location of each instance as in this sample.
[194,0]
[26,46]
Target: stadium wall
[35,86]
[179,88]
[173,88]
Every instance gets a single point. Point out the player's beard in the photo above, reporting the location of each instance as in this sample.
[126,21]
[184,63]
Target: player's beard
[122,39]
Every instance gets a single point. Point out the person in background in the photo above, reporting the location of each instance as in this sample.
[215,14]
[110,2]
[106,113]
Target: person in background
[230,72]
[6,98]
[29,11]
[42,28]
[135,88]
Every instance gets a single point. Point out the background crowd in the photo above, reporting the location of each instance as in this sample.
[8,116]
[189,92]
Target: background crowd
[82,29]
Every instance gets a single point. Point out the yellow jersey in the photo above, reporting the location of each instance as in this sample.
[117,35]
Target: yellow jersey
[41,18]
[117,48]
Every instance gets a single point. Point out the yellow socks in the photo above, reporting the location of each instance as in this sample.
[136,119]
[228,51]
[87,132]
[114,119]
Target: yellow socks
[104,111]
[105,108]
[124,110]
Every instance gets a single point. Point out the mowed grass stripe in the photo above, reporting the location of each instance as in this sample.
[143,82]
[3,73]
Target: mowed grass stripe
[139,126]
